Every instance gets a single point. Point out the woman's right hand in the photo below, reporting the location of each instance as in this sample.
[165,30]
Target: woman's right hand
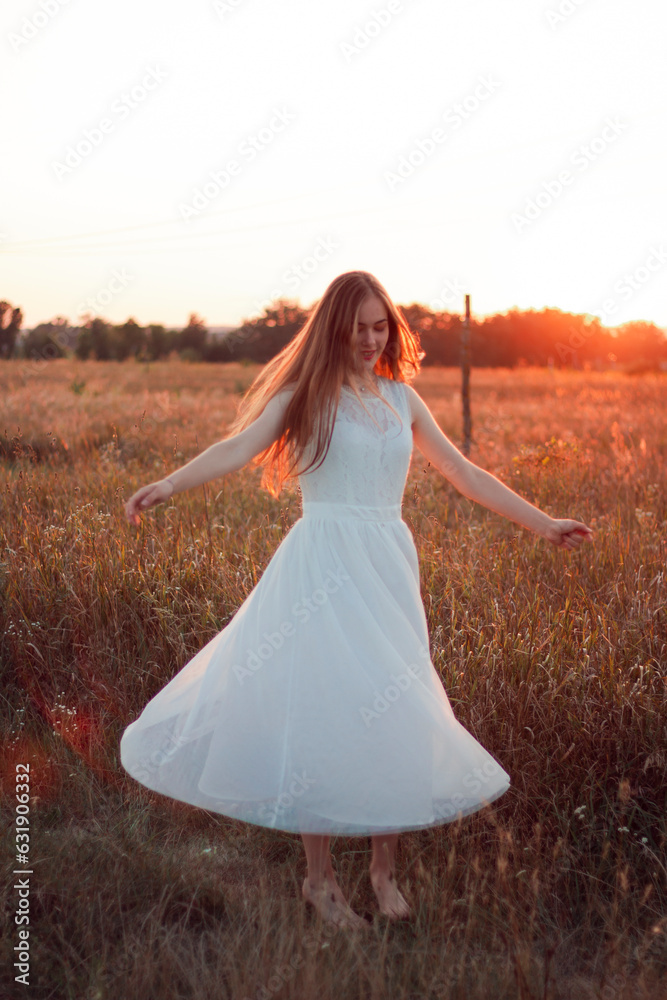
[147,496]
[566,534]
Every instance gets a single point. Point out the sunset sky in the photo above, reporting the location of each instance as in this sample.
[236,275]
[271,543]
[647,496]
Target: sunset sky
[513,150]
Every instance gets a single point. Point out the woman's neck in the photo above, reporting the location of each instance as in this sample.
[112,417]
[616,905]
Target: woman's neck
[357,381]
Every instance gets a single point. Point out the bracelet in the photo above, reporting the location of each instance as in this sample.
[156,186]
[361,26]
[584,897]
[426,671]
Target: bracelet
[170,480]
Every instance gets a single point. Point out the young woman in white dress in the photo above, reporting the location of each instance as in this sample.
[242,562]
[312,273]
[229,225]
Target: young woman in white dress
[355,337]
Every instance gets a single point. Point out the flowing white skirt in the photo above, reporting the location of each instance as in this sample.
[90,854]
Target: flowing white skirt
[317,708]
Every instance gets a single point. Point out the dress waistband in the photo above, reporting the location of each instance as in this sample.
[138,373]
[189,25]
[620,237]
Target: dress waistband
[338,511]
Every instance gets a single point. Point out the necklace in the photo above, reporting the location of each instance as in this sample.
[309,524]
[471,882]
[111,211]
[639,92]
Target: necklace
[362,388]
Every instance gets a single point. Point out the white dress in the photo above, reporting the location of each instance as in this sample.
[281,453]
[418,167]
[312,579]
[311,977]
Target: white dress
[317,708]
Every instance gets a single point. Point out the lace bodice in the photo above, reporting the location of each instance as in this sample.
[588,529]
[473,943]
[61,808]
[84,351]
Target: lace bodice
[367,463]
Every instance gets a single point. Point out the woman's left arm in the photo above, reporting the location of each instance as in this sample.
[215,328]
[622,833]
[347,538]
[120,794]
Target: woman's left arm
[484,488]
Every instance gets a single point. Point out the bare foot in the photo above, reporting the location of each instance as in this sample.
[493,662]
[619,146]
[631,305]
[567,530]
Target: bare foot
[392,902]
[329,901]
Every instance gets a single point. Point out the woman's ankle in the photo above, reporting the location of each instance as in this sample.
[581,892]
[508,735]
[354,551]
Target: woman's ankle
[381,872]
[319,881]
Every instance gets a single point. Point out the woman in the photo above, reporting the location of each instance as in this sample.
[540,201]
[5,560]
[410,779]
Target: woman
[317,708]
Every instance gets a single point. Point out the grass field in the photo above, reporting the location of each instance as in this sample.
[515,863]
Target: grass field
[555,662]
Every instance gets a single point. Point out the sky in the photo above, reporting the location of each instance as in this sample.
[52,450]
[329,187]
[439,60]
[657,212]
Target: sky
[163,158]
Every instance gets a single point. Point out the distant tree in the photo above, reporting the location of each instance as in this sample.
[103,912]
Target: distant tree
[531,336]
[538,337]
[193,337]
[84,344]
[640,343]
[494,341]
[95,339]
[10,324]
[439,333]
[261,338]
[48,340]
[127,339]
[222,349]
[62,333]
[159,342]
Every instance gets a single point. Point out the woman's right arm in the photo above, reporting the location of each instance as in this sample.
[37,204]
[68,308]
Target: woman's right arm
[220,458]
[482,487]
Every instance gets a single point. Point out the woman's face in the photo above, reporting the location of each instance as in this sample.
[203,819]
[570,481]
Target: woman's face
[372,335]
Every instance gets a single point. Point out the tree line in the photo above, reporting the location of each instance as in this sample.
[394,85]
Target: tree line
[516,337]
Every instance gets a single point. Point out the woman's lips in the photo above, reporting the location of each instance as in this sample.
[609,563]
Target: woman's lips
[367,354]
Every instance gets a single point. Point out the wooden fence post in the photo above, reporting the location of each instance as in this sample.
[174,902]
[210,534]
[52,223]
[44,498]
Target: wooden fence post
[465,382]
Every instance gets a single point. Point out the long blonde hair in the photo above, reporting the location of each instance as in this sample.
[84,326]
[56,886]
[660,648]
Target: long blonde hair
[314,363]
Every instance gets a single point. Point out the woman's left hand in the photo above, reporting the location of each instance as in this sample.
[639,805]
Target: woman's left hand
[566,534]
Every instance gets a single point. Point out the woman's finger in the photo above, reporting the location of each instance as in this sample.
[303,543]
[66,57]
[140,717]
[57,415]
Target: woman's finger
[140,501]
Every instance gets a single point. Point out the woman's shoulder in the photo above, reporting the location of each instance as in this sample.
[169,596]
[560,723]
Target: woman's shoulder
[398,392]
[286,391]
[402,393]
[393,385]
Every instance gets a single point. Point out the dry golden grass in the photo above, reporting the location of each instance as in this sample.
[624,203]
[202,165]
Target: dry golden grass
[554,661]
